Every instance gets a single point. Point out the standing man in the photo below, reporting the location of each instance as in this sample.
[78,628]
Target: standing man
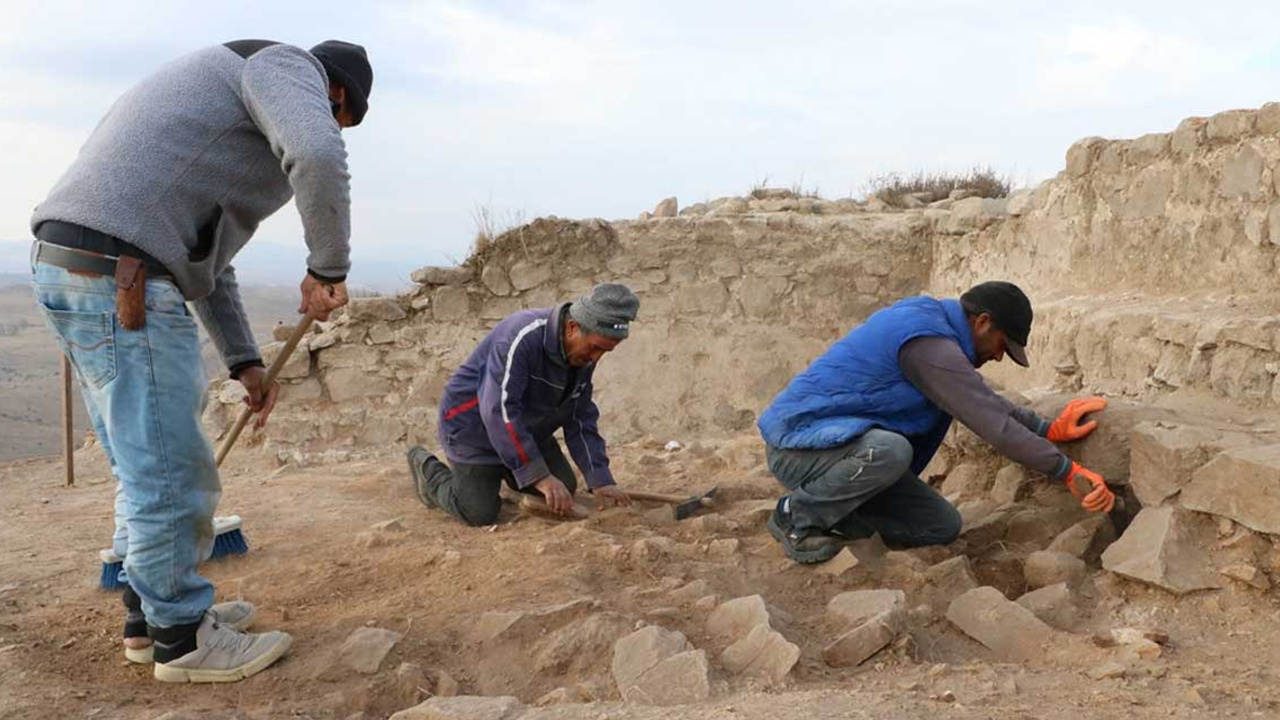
[169,187]
[850,435]
[530,376]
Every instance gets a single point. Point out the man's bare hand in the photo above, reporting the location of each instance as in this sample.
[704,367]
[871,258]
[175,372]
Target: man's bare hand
[557,495]
[613,494]
[259,399]
[320,298]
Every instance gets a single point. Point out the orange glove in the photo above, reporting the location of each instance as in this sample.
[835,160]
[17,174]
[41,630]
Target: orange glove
[1090,488]
[1067,427]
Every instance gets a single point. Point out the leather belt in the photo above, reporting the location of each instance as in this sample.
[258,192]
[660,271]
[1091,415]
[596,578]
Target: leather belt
[83,261]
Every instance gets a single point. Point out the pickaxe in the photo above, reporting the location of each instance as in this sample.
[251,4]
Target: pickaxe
[684,505]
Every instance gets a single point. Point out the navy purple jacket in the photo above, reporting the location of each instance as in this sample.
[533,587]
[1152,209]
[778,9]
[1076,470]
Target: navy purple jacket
[516,386]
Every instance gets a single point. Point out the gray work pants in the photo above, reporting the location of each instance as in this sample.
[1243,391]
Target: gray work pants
[862,488]
[470,492]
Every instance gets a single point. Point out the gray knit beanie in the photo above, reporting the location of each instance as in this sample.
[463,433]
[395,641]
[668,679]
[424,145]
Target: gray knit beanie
[607,310]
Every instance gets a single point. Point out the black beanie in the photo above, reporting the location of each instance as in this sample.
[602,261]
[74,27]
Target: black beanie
[347,64]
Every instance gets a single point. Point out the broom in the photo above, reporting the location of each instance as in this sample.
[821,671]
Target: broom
[228,539]
[229,536]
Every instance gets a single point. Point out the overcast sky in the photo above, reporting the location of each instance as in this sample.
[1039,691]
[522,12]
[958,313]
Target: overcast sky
[584,109]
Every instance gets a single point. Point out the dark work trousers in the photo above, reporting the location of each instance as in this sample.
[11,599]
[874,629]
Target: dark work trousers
[862,488]
[470,492]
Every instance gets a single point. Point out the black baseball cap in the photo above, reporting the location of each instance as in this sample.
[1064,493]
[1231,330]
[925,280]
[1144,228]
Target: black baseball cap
[348,65]
[1009,309]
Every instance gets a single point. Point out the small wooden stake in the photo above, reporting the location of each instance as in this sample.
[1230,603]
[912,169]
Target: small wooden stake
[68,451]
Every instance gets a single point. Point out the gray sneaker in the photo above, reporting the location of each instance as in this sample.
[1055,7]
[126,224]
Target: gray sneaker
[236,614]
[215,652]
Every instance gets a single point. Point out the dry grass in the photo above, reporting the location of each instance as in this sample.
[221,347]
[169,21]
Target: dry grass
[490,225]
[894,188]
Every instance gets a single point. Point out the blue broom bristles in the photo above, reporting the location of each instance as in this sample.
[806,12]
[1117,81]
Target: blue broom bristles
[228,539]
[111,567]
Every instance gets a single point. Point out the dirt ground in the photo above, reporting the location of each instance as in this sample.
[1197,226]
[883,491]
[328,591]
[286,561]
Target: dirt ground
[318,570]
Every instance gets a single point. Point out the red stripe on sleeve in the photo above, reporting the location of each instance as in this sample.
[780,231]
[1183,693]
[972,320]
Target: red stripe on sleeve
[515,440]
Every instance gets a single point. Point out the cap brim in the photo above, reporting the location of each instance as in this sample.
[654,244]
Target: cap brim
[1017,352]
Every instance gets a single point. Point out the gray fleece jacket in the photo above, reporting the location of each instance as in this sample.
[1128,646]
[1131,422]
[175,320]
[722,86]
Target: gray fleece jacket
[189,161]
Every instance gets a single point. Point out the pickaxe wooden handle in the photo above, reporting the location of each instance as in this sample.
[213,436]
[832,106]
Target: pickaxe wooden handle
[298,333]
[664,498]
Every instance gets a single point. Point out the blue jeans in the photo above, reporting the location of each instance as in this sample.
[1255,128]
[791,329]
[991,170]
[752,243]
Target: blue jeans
[145,390]
[862,488]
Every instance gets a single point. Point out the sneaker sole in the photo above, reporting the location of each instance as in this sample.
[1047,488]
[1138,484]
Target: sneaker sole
[146,655]
[169,674]
[812,557]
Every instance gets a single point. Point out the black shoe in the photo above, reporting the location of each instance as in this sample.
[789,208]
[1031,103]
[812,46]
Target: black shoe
[419,458]
[805,546]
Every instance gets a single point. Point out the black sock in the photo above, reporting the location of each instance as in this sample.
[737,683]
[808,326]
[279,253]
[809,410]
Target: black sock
[172,643]
[135,622]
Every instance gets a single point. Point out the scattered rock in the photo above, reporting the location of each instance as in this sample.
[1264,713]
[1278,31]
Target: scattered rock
[1009,630]
[1164,456]
[667,208]
[868,638]
[691,592]
[412,685]
[1160,547]
[1086,539]
[723,548]
[375,308]
[1107,671]
[366,647]
[851,609]
[526,275]
[949,580]
[1012,484]
[1243,485]
[764,652]
[1053,605]
[1044,568]
[464,708]
[446,686]
[843,562]
[707,603]
[735,618]
[656,666]
[392,525]
[1247,574]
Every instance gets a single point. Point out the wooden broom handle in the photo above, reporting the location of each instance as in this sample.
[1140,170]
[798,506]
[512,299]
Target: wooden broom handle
[285,352]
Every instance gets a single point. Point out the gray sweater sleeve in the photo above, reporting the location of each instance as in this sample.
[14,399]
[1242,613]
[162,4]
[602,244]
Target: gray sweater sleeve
[286,93]
[223,317]
[939,369]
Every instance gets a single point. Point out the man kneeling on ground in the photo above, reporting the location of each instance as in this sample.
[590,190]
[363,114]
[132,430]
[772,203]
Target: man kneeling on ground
[530,376]
[850,435]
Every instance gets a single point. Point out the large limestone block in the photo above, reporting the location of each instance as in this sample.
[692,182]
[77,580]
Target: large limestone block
[450,304]
[975,214]
[376,308]
[1164,455]
[441,275]
[1231,124]
[1052,604]
[764,653]
[526,275]
[735,618]
[868,638]
[1009,630]
[495,279]
[1243,485]
[1045,567]
[366,648]
[464,707]
[1164,547]
[702,298]
[349,383]
[1242,176]
[1106,450]
[668,208]
[657,666]
[297,366]
[856,607]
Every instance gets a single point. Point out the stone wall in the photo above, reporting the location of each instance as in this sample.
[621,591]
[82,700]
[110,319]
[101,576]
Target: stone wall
[1151,264]
[731,309]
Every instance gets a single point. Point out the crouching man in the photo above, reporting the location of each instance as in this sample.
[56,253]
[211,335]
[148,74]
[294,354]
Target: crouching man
[850,435]
[530,376]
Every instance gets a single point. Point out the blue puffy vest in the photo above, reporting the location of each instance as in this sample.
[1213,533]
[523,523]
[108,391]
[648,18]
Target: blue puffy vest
[857,384]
